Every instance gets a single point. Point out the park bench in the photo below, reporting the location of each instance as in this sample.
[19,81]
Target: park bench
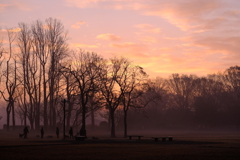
[139,137]
[163,138]
[80,138]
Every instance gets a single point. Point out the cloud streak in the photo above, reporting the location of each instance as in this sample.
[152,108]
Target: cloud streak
[185,36]
[148,28]
[108,36]
[78,25]
[84,46]
[14,5]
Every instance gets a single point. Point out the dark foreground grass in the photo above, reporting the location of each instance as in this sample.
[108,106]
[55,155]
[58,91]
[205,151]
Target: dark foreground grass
[190,147]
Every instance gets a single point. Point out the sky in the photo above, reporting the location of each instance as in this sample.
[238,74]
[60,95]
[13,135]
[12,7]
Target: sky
[176,36]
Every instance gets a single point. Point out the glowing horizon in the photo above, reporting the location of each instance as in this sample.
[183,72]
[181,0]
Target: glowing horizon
[186,37]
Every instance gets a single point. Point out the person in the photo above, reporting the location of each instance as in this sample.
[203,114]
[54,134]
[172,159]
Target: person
[57,132]
[42,132]
[25,132]
[71,133]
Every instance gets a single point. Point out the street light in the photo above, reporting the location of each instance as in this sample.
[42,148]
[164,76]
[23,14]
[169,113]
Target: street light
[64,113]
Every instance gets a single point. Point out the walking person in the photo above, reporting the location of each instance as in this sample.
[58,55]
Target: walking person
[42,132]
[71,133]
[57,132]
[25,132]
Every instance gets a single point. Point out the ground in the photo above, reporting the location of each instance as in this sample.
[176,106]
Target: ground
[187,145]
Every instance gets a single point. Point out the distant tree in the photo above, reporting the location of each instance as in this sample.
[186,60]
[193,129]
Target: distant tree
[95,104]
[153,102]
[182,89]
[231,80]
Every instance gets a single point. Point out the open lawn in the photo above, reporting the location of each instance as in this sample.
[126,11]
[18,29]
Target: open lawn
[190,145]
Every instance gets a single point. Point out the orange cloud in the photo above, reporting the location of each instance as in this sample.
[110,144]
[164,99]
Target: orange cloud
[108,36]
[83,46]
[11,30]
[14,5]
[116,4]
[130,46]
[148,28]
[3,6]
[149,39]
[78,25]
[228,45]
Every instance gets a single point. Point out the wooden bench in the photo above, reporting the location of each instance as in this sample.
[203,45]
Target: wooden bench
[80,138]
[130,137]
[163,138]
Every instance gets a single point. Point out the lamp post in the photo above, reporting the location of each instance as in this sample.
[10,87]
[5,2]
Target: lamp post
[64,112]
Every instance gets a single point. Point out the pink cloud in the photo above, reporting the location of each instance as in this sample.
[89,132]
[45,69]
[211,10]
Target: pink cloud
[184,15]
[14,5]
[148,28]
[3,7]
[114,4]
[227,45]
[130,46]
[149,39]
[78,25]
[108,36]
[83,46]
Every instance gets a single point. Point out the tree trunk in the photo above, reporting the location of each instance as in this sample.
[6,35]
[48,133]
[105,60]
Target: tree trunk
[83,131]
[113,134]
[13,115]
[125,123]
[38,99]
[37,118]
[45,99]
[92,118]
[8,109]
[69,114]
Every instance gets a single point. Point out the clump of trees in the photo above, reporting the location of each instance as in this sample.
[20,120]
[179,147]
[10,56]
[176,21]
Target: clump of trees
[39,71]
[189,101]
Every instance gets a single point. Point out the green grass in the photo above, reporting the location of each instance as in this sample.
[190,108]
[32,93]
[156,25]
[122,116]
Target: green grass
[185,145]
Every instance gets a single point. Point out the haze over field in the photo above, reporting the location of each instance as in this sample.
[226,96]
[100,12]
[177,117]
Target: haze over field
[164,37]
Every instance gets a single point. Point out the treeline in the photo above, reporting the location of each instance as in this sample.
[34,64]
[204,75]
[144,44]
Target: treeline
[189,101]
[40,74]
[39,71]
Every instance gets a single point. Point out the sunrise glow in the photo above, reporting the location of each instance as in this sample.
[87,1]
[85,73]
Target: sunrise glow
[164,37]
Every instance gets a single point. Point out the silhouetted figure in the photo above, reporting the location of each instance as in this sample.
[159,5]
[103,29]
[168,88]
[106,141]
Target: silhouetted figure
[57,132]
[83,132]
[71,133]
[25,132]
[42,132]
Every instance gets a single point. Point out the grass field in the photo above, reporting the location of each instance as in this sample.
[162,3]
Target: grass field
[190,145]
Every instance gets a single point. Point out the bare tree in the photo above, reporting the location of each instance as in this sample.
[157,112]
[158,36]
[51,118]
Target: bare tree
[110,89]
[24,44]
[208,100]
[40,50]
[231,79]
[11,82]
[70,93]
[57,48]
[182,89]
[85,69]
[1,61]
[132,81]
